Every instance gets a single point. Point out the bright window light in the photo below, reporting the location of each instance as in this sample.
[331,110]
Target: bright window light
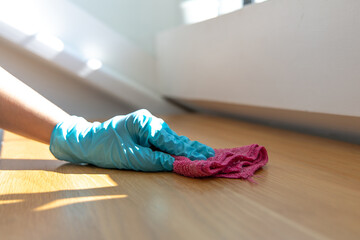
[20,24]
[16,15]
[50,41]
[94,64]
[91,66]
[199,10]
[227,6]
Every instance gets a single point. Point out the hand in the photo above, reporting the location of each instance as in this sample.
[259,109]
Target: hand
[124,142]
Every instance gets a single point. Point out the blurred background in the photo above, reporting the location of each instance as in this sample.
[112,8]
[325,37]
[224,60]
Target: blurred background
[284,63]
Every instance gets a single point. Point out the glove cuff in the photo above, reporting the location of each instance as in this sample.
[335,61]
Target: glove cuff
[65,138]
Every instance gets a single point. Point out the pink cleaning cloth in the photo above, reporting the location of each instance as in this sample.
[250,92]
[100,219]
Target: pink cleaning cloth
[240,162]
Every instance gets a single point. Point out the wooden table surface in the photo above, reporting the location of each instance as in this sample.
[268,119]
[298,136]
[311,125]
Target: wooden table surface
[310,189]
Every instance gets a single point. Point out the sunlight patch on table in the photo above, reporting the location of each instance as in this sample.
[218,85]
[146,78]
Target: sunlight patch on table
[68,201]
[3,202]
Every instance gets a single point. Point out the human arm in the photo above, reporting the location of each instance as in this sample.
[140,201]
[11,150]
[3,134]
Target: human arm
[137,141]
[25,112]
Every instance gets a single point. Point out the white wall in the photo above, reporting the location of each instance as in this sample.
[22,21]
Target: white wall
[86,36]
[286,54]
[127,72]
[63,89]
[137,20]
[141,20]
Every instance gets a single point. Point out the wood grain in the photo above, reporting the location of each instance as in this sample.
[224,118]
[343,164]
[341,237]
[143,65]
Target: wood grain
[309,190]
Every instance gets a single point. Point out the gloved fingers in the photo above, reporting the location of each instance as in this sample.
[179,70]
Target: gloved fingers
[200,147]
[168,141]
[142,126]
[154,131]
[153,161]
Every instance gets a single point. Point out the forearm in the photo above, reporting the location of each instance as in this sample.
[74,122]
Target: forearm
[26,112]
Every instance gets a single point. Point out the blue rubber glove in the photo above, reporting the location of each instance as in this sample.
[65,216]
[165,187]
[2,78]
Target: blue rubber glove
[124,142]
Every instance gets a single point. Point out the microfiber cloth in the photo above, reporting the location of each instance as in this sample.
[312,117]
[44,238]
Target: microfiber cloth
[239,162]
